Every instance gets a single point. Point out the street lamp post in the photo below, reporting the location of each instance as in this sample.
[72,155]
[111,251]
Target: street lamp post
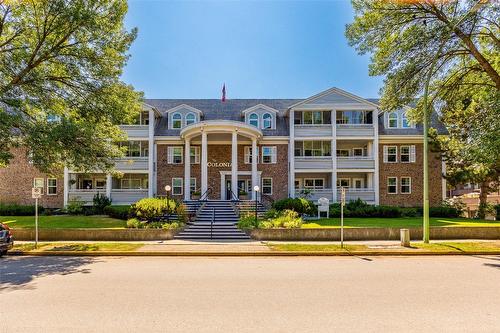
[256,188]
[426,120]
[167,189]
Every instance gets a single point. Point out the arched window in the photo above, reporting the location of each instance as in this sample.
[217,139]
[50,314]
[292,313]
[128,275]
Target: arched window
[393,120]
[254,120]
[267,121]
[404,121]
[190,119]
[176,120]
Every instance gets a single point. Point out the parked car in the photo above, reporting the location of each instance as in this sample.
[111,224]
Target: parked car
[6,239]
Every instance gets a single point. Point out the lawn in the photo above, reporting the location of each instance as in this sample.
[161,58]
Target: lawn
[78,247]
[403,222]
[63,221]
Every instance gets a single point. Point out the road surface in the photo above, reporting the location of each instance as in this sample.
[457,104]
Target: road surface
[309,294]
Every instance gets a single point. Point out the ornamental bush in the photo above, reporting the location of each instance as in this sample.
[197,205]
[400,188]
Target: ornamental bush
[100,202]
[299,205]
[18,210]
[151,209]
[121,212]
[248,222]
[288,219]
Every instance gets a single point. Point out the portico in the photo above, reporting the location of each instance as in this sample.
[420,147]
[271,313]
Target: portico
[220,132]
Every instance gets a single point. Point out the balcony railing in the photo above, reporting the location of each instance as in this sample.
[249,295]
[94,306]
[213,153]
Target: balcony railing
[355,130]
[303,130]
[119,196]
[135,131]
[355,162]
[313,162]
[132,163]
[352,194]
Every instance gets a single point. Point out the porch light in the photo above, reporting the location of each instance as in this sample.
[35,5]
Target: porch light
[167,188]
[256,188]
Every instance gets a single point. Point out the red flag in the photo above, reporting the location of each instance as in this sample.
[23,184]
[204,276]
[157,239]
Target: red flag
[224,92]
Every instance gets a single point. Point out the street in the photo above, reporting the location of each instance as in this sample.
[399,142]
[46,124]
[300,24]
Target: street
[296,294]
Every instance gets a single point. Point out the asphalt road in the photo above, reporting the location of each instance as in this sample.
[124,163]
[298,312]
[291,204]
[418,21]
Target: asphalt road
[160,294]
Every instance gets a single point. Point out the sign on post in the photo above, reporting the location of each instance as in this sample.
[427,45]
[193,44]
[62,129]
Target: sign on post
[342,203]
[36,193]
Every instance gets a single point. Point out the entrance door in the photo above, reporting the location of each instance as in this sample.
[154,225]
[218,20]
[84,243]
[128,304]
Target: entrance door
[359,183]
[242,187]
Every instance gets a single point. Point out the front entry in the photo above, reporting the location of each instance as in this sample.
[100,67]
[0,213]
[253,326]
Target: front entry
[242,188]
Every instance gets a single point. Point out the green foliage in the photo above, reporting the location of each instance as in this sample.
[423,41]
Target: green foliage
[497,210]
[173,225]
[300,205]
[248,222]
[455,203]
[182,215]
[75,207]
[443,211]
[133,223]
[18,210]
[153,208]
[64,58]
[287,219]
[100,202]
[121,212]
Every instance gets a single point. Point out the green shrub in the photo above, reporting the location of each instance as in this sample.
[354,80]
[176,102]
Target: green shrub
[299,205]
[18,210]
[271,214]
[497,209]
[133,223]
[456,203]
[75,207]
[121,212]
[100,202]
[359,208]
[248,222]
[173,225]
[409,212]
[182,215]
[288,219]
[153,208]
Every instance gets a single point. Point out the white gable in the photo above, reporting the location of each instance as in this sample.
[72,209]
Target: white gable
[335,98]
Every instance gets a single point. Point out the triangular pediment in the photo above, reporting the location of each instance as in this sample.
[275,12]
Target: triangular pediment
[335,98]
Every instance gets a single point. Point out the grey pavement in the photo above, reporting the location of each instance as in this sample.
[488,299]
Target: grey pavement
[320,294]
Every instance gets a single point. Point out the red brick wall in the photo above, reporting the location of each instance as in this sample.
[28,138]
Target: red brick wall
[415,171]
[16,181]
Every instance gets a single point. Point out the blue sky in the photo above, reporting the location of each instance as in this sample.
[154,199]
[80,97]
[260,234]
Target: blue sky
[260,49]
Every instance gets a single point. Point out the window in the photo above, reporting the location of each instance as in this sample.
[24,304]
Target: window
[144,118]
[51,186]
[354,117]
[254,120]
[190,119]
[130,183]
[314,183]
[176,120]
[248,155]
[392,185]
[134,149]
[100,183]
[38,183]
[390,154]
[267,121]
[342,152]
[358,152]
[176,186]
[87,184]
[174,155]
[358,182]
[317,148]
[393,120]
[404,121]
[194,155]
[192,185]
[404,152]
[269,154]
[267,186]
[312,117]
[343,182]
[405,185]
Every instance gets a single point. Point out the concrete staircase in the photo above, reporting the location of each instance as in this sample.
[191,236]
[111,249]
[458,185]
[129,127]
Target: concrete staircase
[248,207]
[224,225]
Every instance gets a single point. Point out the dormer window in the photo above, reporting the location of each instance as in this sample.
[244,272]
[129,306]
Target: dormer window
[404,121]
[267,121]
[254,120]
[177,120]
[393,120]
[190,119]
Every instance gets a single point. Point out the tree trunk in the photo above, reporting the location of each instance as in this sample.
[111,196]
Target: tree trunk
[483,200]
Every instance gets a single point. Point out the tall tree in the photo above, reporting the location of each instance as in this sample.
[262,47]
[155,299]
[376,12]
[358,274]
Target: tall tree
[404,37]
[60,91]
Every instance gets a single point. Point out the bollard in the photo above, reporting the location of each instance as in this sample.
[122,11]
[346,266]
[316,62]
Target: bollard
[405,237]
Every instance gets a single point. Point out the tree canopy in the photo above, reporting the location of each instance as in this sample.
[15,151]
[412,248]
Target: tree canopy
[60,91]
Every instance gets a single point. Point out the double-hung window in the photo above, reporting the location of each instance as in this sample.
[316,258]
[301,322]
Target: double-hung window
[312,117]
[192,185]
[51,186]
[392,185]
[267,186]
[404,121]
[176,120]
[176,186]
[253,120]
[393,120]
[268,154]
[190,119]
[314,183]
[390,154]
[407,154]
[248,155]
[343,182]
[267,121]
[174,155]
[194,155]
[405,185]
[317,148]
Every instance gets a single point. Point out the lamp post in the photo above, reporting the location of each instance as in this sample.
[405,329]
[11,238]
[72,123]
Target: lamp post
[167,189]
[256,188]
[426,120]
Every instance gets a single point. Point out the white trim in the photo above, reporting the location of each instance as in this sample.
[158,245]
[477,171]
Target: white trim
[259,106]
[274,154]
[249,121]
[262,185]
[170,154]
[172,120]
[387,188]
[314,186]
[272,119]
[337,91]
[401,185]
[386,154]
[185,106]
[354,182]
[389,120]
[339,181]
[48,192]
[181,186]
[401,154]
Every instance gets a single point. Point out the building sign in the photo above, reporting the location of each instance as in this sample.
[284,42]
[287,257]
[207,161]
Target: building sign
[219,164]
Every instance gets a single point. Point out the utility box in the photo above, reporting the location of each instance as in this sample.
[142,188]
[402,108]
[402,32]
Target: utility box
[405,237]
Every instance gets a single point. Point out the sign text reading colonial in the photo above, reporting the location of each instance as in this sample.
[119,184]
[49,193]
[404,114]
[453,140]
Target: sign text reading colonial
[219,164]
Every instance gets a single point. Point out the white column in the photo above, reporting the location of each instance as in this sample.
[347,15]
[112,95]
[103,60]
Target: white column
[234,165]
[334,155]
[151,154]
[255,180]
[155,169]
[291,157]
[369,180]
[375,156]
[66,186]
[109,181]
[187,169]
[369,149]
[204,161]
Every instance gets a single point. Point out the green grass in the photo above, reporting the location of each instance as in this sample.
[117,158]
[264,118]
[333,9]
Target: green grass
[78,247]
[63,221]
[403,222]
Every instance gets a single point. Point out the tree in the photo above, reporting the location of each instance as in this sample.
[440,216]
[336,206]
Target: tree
[404,38]
[61,96]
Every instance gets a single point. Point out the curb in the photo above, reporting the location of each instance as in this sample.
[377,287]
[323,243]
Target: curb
[246,254]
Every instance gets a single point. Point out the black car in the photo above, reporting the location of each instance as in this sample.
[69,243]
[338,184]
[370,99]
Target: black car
[6,239]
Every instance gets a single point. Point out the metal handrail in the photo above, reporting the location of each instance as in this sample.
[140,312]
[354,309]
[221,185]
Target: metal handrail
[234,197]
[212,223]
[204,196]
[267,197]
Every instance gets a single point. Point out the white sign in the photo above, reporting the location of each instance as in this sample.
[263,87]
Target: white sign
[219,164]
[36,192]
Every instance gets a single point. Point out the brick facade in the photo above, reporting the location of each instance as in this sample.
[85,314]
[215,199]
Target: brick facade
[16,182]
[413,170]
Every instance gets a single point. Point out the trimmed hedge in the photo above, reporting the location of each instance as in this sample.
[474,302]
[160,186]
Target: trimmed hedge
[299,205]
[18,210]
[121,212]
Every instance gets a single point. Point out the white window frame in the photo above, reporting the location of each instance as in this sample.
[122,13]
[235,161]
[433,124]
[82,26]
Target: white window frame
[181,186]
[49,186]
[395,185]
[250,119]
[339,182]
[273,155]
[358,148]
[186,118]
[247,154]
[403,119]
[389,120]
[170,154]
[271,186]
[264,120]
[314,187]
[354,182]
[130,180]
[196,155]
[312,118]
[299,182]
[192,185]
[100,180]
[174,120]
[36,180]
[401,185]
[401,153]
[386,154]
[340,150]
